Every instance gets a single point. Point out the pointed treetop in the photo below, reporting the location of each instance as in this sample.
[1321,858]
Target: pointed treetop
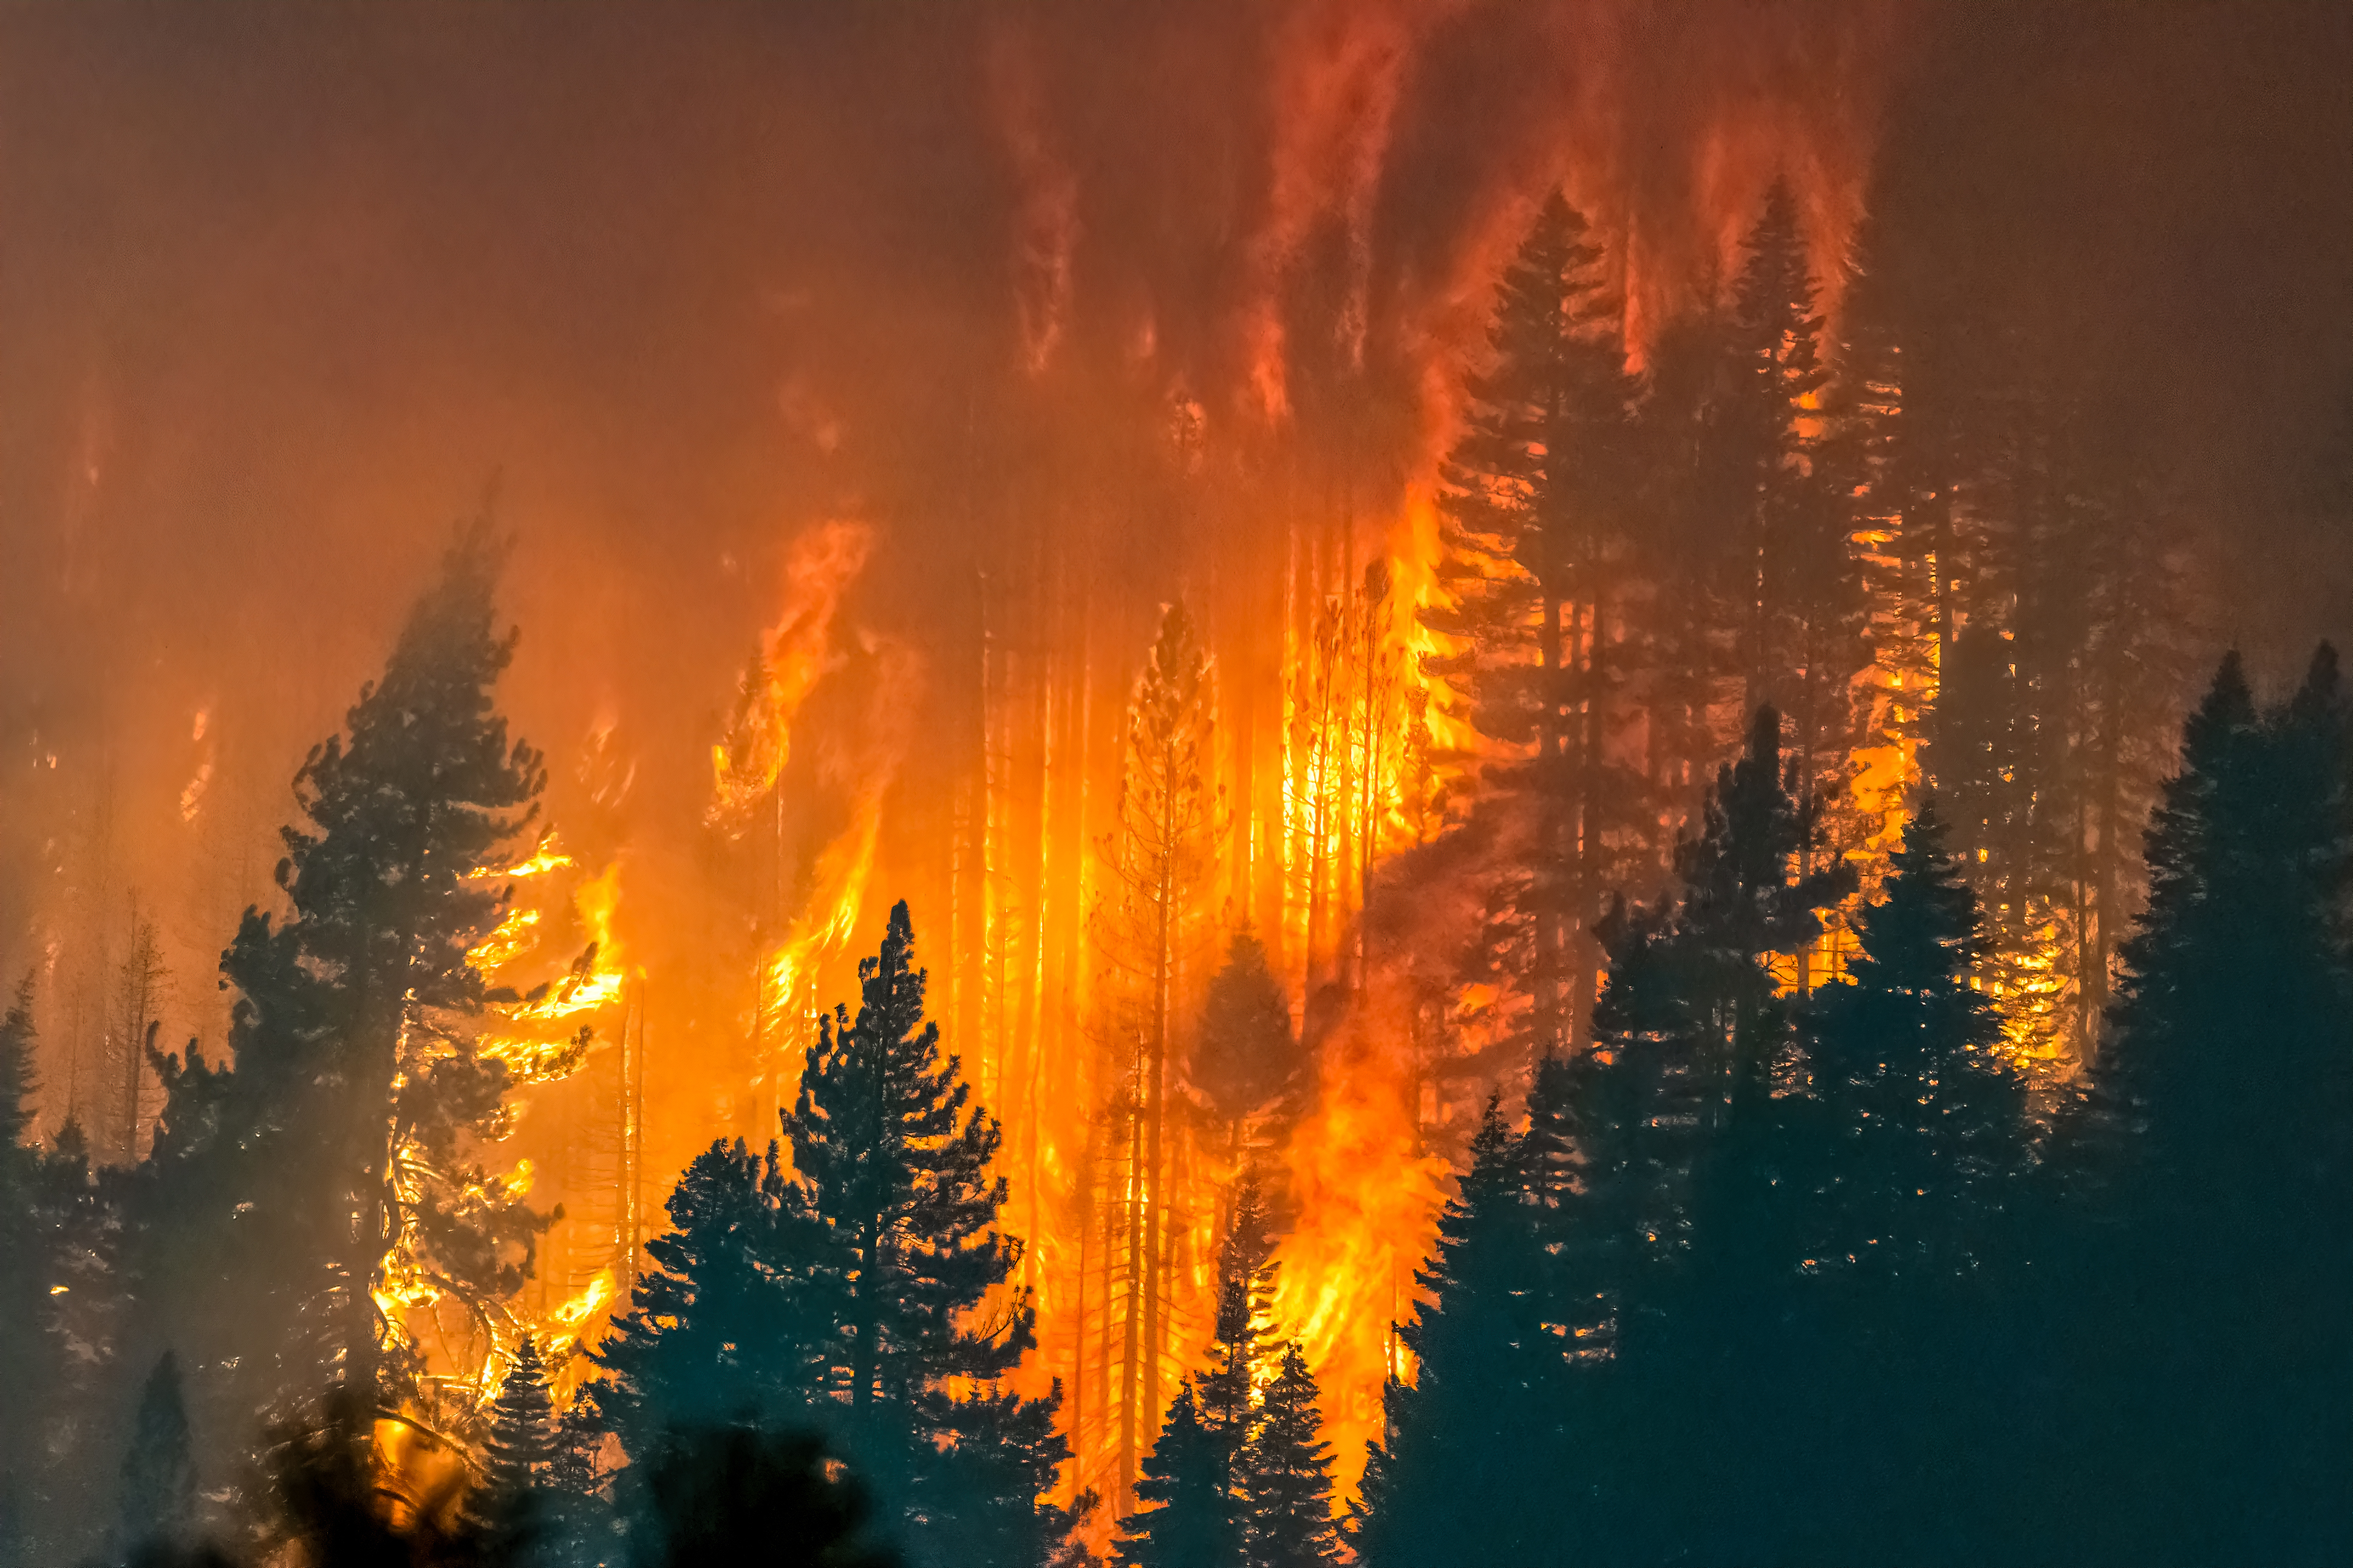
[1924,934]
[159,1472]
[18,1080]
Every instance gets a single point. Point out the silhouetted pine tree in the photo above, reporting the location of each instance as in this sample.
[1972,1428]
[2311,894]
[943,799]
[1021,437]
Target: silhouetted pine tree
[28,1357]
[1189,1519]
[158,1506]
[1897,1172]
[1246,1057]
[736,1320]
[353,1035]
[2229,1113]
[894,1163]
[1537,543]
[1799,582]
[508,1505]
[1460,1473]
[1918,1105]
[1285,1475]
[1691,1011]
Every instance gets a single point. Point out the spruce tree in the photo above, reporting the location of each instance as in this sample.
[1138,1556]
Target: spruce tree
[2227,1101]
[1799,582]
[158,1505]
[1286,1483]
[341,1147]
[893,1161]
[1918,1105]
[1456,1475]
[736,1318]
[1246,1056]
[1160,858]
[508,1504]
[28,1357]
[1537,547]
[1187,1520]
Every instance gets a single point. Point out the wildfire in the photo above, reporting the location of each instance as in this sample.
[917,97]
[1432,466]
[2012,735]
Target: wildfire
[794,654]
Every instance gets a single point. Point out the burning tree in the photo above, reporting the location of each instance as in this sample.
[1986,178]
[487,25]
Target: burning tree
[1537,548]
[1161,858]
[300,1198]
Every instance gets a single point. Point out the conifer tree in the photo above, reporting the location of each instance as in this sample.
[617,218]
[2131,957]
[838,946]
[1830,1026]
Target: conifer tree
[1691,994]
[341,1143]
[2228,1103]
[1903,1057]
[508,1505]
[1187,1520]
[1246,1056]
[1285,1483]
[158,1505]
[1537,550]
[28,1357]
[1160,858]
[1799,586]
[1456,1475]
[892,1163]
[736,1320]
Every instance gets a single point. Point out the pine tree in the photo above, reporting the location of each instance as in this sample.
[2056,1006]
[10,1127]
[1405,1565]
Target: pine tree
[1800,584]
[2228,1100]
[893,1161]
[140,983]
[1187,1520]
[1246,1056]
[159,1473]
[1904,1064]
[735,1319]
[1160,860]
[28,1357]
[1538,545]
[508,1505]
[1692,999]
[987,1490]
[1286,1476]
[1457,1474]
[341,1146]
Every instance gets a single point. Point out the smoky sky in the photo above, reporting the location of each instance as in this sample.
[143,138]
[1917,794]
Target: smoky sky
[285,288]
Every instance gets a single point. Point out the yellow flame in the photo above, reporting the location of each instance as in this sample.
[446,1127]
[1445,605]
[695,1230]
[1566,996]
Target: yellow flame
[824,561]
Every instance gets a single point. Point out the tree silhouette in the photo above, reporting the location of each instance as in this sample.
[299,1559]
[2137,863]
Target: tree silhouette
[1285,1481]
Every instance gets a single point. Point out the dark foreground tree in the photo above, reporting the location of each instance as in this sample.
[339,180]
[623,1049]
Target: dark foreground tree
[159,1473]
[1187,1520]
[342,1144]
[2227,1115]
[734,1321]
[894,1163]
[1459,1475]
[1284,1483]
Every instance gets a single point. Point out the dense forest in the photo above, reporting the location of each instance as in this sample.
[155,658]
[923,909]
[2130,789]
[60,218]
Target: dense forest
[1918,1104]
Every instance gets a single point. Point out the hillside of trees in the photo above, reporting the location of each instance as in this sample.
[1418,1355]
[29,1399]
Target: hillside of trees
[1955,1169]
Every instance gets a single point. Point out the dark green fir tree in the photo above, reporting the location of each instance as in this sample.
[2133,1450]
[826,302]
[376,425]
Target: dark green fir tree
[735,1323]
[2225,1137]
[1285,1475]
[353,1034]
[508,1505]
[1247,1058]
[893,1161]
[1456,1475]
[1188,1517]
[158,1507]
